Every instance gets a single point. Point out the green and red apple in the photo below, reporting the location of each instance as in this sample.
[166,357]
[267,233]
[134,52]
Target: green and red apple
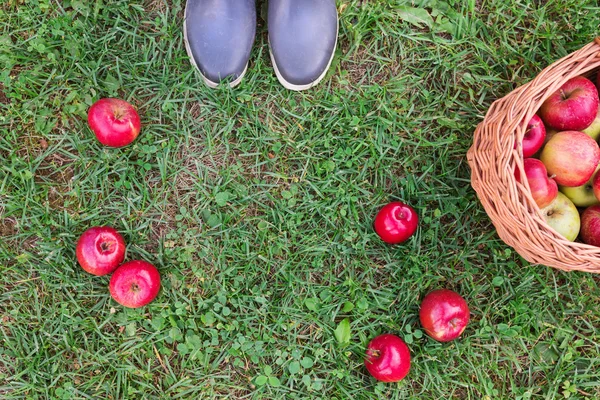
[562,216]
[593,130]
[584,195]
[572,157]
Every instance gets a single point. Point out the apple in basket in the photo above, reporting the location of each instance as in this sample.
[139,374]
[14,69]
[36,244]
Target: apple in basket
[590,225]
[534,136]
[593,130]
[584,195]
[543,188]
[572,157]
[572,107]
[562,216]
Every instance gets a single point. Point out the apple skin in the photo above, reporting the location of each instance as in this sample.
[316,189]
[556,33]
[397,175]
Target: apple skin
[584,195]
[593,130]
[387,358]
[115,122]
[543,189]
[444,315]
[534,136]
[396,222]
[550,134]
[573,107]
[135,284]
[562,216]
[596,185]
[590,225]
[100,250]
[572,157]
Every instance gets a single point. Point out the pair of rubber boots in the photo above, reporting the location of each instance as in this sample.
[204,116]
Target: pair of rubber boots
[219,35]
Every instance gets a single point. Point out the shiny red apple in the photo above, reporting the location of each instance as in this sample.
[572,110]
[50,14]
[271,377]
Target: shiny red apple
[590,225]
[572,157]
[534,136]
[115,122]
[444,315]
[573,107]
[100,250]
[396,222]
[543,188]
[387,358]
[135,284]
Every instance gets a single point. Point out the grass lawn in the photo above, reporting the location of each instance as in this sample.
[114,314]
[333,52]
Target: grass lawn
[256,205]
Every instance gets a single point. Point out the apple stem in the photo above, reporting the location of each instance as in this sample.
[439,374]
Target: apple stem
[563,95]
[375,353]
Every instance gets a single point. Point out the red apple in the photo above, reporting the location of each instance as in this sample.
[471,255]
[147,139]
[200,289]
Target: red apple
[573,107]
[100,250]
[534,136]
[135,284]
[444,315]
[572,157]
[114,121]
[590,225]
[543,189]
[396,222]
[387,358]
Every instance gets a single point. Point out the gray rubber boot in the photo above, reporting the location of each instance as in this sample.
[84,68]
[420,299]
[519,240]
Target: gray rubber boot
[219,35]
[302,39]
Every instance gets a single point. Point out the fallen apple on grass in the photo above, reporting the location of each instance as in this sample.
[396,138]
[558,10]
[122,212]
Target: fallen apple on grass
[135,284]
[387,358]
[543,188]
[590,225]
[572,107]
[562,216]
[115,122]
[572,157]
[396,222]
[100,250]
[444,315]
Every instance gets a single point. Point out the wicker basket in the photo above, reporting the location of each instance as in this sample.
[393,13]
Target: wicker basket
[493,159]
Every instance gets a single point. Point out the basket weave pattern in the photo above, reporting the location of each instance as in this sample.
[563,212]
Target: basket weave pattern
[493,160]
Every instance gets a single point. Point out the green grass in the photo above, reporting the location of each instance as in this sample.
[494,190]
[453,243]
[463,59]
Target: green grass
[256,205]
